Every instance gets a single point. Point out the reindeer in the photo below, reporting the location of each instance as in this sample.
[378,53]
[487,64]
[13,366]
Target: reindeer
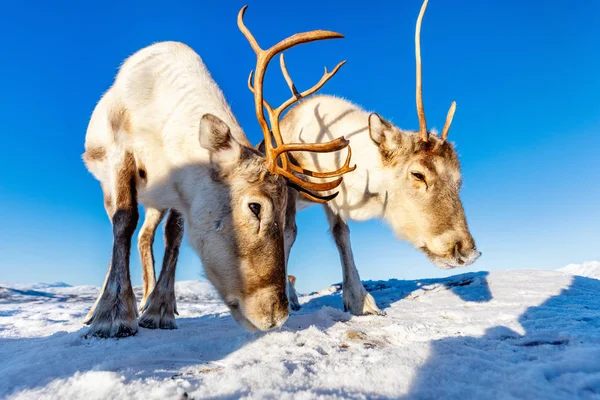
[164,136]
[409,179]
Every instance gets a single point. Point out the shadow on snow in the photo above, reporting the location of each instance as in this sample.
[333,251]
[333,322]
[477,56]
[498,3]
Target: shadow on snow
[471,287]
[559,353]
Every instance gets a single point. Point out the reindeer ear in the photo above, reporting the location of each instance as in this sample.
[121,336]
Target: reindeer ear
[382,132]
[215,136]
[261,147]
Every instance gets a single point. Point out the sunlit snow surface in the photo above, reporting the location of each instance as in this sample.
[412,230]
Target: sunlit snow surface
[590,269]
[498,335]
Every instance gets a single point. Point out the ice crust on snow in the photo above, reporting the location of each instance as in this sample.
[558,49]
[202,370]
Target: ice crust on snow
[497,335]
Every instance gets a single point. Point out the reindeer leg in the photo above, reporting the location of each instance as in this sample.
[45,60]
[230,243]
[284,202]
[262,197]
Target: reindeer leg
[289,237]
[356,299]
[145,240]
[114,314]
[110,210]
[160,308]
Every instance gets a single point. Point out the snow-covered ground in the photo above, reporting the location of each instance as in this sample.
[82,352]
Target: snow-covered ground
[498,335]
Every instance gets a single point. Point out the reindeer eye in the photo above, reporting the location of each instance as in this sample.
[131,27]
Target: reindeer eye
[255,208]
[419,176]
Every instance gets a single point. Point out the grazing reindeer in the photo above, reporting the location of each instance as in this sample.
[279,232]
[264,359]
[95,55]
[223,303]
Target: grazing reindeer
[164,136]
[409,179]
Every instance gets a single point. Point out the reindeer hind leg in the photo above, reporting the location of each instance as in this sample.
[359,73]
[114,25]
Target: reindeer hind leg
[161,307]
[152,219]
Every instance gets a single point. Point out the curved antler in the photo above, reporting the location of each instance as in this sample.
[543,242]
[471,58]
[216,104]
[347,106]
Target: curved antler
[420,110]
[423,134]
[448,120]
[280,149]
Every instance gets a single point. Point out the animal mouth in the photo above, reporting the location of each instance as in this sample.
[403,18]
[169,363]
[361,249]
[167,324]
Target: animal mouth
[239,317]
[454,260]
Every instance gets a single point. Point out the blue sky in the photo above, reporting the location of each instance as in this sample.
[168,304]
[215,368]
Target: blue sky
[525,76]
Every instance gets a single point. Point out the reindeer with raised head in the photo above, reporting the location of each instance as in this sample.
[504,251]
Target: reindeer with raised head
[410,179]
[164,136]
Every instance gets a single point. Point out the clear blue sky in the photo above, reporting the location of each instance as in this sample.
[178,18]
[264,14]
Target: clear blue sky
[525,76]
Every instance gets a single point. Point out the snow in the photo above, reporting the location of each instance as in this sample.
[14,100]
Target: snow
[591,269]
[500,335]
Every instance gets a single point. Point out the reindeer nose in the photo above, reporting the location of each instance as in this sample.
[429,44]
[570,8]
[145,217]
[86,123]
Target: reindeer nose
[279,311]
[464,251]
[466,255]
[457,251]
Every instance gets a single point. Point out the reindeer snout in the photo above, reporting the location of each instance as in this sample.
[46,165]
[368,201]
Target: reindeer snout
[451,250]
[465,252]
[267,308]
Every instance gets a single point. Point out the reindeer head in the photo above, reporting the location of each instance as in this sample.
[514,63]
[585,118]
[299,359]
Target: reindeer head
[244,254]
[423,180]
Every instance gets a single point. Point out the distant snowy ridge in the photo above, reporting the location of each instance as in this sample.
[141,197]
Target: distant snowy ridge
[35,286]
[590,269]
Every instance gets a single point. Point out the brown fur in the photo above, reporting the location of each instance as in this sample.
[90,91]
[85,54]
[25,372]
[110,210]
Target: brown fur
[440,209]
[412,185]
[145,241]
[115,312]
[108,206]
[94,154]
[120,119]
[292,279]
[179,134]
[161,307]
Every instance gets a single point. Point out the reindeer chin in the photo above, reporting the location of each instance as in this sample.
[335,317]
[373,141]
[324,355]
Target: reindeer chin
[455,262]
[244,322]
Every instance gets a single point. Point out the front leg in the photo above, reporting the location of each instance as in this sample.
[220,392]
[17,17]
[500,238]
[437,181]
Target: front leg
[115,312]
[356,298]
[292,296]
[160,308]
[290,232]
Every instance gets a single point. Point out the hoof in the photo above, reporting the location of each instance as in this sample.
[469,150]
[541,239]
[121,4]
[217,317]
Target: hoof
[114,330]
[113,316]
[159,311]
[292,297]
[361,304]
[150,321]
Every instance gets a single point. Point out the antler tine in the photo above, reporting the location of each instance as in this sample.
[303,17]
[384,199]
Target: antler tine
[287,77]
[420,110]
[326,77]
[311,196]
[281,149]
[338,172]
[449,118]
[316,186]
[246,31]
[265,103]
[324,147]
[328,147]
[257,88]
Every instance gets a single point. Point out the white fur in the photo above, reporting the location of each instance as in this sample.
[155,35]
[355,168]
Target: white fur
[165,90]
[373,190]
[342,118]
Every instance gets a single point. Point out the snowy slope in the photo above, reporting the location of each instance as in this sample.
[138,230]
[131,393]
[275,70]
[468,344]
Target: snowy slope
[591,269]
[499,335]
